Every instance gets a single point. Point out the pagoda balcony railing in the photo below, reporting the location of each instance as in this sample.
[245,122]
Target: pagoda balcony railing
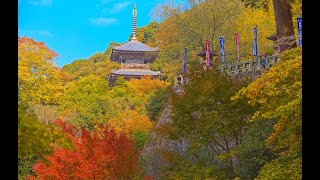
[134,66]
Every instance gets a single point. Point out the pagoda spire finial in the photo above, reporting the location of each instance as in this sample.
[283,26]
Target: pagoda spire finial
[134,23]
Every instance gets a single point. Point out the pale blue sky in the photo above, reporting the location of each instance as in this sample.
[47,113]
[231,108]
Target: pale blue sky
[79,29]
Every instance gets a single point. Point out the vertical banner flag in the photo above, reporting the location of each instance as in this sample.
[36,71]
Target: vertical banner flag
[255,43]
[222,49]
[279,49]
[299,20]
[238,45]
[184,65]
[207,53]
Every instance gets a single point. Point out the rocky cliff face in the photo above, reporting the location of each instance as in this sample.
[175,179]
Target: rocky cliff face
[158,145]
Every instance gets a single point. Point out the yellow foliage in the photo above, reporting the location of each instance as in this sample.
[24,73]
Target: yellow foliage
[296,10]
[145,86]
[278,93]
[283,78]
[139,90]
[130,121]
[265,23]
[167,34]
[39,79]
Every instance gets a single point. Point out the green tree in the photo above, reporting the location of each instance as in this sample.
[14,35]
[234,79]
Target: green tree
[253,152]
[86,102]
[156,104]
[35,140]
[146,34]
[98,57]
[75,66]
[141,138]
[284,167]
[212,123]
[96,64]
[278,93]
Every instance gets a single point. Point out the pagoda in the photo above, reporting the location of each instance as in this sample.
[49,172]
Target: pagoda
[135,57]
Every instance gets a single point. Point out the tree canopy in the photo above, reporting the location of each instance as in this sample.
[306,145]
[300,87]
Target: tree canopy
[73,125]
[97,155]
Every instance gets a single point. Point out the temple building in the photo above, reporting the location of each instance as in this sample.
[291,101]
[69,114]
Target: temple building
[135,57]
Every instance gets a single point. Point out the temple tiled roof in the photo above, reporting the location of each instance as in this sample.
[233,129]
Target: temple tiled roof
[135,72]
[135,46]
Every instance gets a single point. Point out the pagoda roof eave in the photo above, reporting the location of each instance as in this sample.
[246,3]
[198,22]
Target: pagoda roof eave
[134,51]
[135,46]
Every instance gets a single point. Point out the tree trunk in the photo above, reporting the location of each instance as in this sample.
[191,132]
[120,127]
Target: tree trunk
[282,11]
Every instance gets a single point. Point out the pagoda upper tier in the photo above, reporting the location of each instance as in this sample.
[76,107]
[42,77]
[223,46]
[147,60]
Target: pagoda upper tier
[134,52]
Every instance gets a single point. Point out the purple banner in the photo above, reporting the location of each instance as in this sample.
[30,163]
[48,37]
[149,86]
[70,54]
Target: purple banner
[222,49]
[299,20]
[184,65]
[255,42]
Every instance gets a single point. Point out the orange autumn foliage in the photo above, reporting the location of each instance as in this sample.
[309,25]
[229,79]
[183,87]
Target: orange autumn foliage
[97,155]
[140,90]
[145,86]
[130,121]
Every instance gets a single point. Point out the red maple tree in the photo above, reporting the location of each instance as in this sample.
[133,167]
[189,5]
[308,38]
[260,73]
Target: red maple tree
[102,154]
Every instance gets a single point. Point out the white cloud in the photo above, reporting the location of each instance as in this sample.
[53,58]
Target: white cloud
[102,21]
[119,6]
[106,1]
[23,32]
[45,33]
[105,11]
[39,2]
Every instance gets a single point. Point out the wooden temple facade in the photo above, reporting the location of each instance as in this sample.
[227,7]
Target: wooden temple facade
[135,57]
